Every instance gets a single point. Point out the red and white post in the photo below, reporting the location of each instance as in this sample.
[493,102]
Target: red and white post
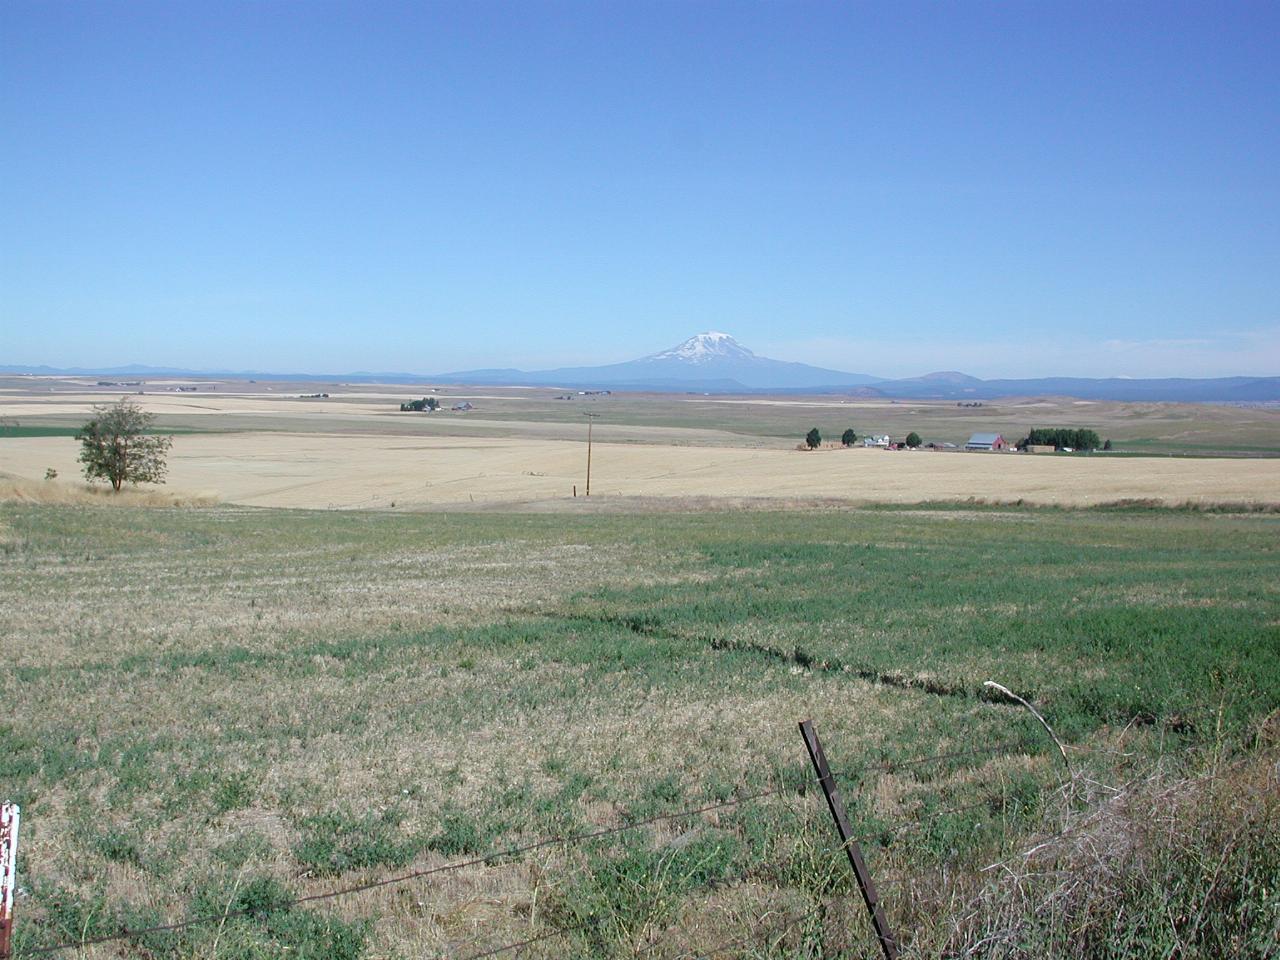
[8,874]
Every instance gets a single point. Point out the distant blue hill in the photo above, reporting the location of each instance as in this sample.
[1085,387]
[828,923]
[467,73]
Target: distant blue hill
[1167,390]
[716,363]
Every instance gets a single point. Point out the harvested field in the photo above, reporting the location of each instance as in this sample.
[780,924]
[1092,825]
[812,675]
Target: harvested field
[214,708]
[336,470]
[271,445]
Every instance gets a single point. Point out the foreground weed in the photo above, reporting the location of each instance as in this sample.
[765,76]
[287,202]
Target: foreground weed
[334,843]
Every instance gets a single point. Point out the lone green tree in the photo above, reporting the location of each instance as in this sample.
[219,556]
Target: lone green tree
[813,439]
[114,446]
[913,440]
[849,438]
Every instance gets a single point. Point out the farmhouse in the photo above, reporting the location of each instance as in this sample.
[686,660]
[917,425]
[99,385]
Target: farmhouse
[464,406]
[986,441]
[874,441]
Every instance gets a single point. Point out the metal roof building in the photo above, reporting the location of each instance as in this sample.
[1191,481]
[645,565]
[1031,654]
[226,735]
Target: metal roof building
[986,441]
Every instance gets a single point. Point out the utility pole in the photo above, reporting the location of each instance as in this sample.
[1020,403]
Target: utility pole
[590,419]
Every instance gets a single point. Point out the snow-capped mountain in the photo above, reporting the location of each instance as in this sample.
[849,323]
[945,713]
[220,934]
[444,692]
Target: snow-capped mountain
[714,362]
[711,361]
[705,348]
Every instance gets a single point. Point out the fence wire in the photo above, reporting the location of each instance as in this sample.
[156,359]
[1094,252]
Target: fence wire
[716,883]
[503,853]
[799,786]
[518,945]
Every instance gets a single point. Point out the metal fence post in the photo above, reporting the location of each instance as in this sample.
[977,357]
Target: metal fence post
[8,874]
[847,840]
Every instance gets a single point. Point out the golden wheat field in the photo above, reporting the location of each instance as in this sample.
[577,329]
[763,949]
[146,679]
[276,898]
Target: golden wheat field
[273,446]
[316,470]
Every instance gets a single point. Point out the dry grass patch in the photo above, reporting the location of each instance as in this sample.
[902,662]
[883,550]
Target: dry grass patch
[1168,865]
[63,493]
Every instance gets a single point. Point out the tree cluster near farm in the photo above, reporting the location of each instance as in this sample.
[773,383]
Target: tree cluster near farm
[427,404]
[1063,438]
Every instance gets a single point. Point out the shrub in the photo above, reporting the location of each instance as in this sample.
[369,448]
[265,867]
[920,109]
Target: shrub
[118,846]
[267,924]
[333,843]
[232,793]
[460,834]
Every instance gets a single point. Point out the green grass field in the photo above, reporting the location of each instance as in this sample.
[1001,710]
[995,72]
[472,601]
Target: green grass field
[219,709]
[51,430]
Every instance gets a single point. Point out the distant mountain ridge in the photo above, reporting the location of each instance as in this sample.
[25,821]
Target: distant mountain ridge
[706,357]
[714,362]
[1162,390]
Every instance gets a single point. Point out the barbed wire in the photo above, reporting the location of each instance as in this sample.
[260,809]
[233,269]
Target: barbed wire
[850,772]
[481,859]
[508,947]
[506,852]
[889,766]
[502,853]
[714,883]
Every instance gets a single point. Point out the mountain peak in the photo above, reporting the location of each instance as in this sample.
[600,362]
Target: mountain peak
[705,347]
[949,376]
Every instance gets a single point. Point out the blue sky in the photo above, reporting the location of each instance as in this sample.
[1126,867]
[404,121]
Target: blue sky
[1015,188]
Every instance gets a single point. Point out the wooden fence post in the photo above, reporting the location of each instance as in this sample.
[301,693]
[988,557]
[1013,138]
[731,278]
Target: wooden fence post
[847,840]
[8,874]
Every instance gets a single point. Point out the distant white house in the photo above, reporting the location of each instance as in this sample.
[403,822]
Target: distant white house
[986,441]
[874,441]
